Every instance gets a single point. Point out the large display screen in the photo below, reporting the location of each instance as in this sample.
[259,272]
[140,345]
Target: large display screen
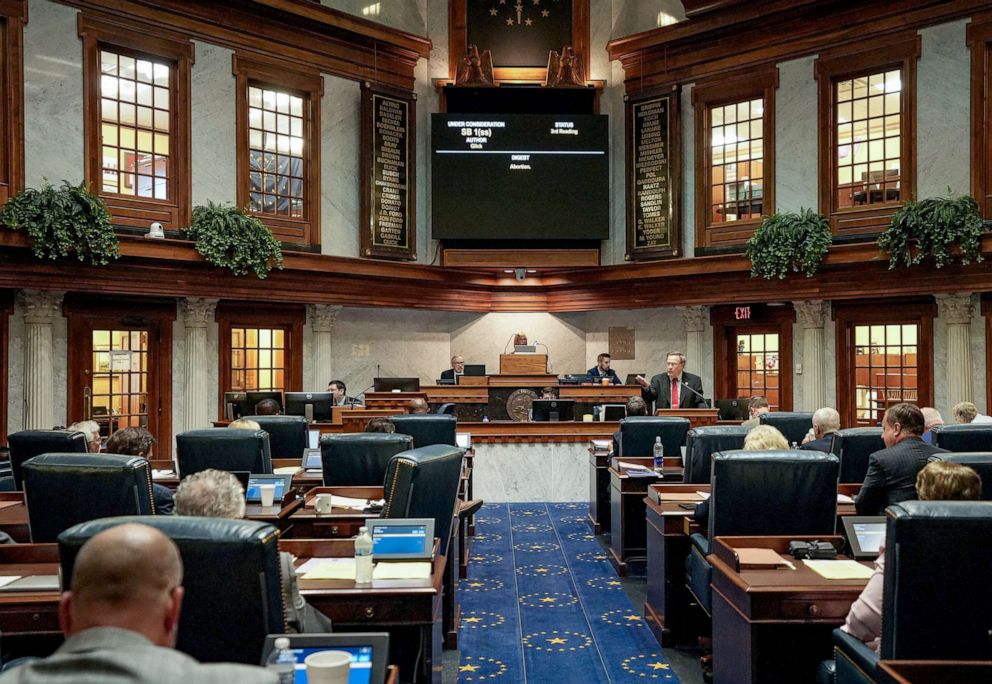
[520,177]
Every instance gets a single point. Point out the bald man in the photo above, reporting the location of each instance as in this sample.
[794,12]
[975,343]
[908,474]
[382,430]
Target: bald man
[417,405]
[120,619]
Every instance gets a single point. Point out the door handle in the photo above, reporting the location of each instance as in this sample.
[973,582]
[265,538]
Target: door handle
[87,403]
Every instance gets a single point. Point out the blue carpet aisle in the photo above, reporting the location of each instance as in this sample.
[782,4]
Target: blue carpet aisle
[543,605]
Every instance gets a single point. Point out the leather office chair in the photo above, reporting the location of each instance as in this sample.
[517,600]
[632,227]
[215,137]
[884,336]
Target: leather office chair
[423,483]
[980,462]
[30,443]
[361,458]
[924,618]
[62,490]
[764,493]
[223,449]
[427,428]
[638,433]
[700,445]
[287,434]
[966,437]
[853,446]
[231,575]
[794,425]
[447,409]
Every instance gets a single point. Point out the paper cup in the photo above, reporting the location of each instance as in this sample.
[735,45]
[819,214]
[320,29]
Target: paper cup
[586,417]
[268,493]
[328,667]
[606,381]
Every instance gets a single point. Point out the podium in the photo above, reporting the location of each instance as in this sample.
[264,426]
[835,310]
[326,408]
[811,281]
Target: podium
[697,417]
[523,364]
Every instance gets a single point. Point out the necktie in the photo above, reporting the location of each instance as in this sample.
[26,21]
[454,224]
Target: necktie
[675,393]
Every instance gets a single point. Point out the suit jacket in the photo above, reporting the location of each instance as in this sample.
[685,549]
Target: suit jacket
[822,444]
[110,655]
[611,374]
[891,476]
[448,374]
[164,499]
[660,392]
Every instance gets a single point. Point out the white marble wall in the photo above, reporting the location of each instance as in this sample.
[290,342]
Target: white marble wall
[179,370]
[214,143]
[829,369]
[15,371]
[531,472]
[940,362]
[795,136]
[340,189]
[481,339]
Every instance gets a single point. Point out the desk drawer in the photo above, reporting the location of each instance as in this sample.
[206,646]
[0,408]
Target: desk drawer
[29,620]
[814,609]
[373,612]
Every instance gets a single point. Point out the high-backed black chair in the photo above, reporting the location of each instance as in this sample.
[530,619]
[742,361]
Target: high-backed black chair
[223,449]
[980,462]
[702,442]
[359,458]
[427,428]
[30,443]
[638,434]
[447,409]
[231,575]
[423,483]
[924,619]
[853,446]
[794,425]
[966,437]
[287,434]
[62,490]
[767,493]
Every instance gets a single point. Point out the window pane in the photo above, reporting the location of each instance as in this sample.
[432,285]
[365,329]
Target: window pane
[736,156]
[275,123]
[886,369]
[758,367]
[257,358]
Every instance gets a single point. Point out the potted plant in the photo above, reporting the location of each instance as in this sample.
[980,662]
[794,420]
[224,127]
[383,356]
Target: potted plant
[789,240]
[938,227]
[63,221]
[230,237]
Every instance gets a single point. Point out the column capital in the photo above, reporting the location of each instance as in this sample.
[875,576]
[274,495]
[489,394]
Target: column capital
[198,311]
[812,313]
[694,318]
[323,316]
[41,307]
[955,308]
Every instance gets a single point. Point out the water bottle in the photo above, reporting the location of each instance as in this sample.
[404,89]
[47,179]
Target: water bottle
[659,455]
[485,419]
[282,662]
[363,557]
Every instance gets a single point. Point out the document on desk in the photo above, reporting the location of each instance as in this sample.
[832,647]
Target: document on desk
[286,470]
[839,569]
[844,499]
[349,502]
[635,469]
[601,444]
[327,569]
[395,571]
[159,474]
[691,497]
[4,581]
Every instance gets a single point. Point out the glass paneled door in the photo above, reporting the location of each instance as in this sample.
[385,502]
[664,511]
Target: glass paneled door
[117,396]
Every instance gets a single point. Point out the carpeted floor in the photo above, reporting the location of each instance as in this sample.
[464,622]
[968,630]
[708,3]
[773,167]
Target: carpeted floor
[543,605]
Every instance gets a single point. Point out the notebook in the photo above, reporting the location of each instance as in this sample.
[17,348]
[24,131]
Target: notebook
[401,539]
[369,651]
[865,535]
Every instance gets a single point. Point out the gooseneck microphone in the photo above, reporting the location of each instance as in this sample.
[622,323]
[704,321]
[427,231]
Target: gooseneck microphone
[698,394]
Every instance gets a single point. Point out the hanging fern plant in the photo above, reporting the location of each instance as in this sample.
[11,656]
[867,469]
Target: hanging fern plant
[62,222]
[232,238]
[789,241]
[934,228]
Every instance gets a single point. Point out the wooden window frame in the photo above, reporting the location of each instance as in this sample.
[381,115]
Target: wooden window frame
[275,74]
[13,15]
[751,84]
[6,309]
[139,40]
[847,315]
[257,315]
[762,318]
[900,51]
[979,39]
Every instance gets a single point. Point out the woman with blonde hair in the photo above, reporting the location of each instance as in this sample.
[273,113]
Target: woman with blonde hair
[765,437]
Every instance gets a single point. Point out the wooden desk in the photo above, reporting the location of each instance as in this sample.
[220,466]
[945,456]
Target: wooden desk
[599,490]
[25,614]
[627,521]
[14,516]
[305,522]
[773,625]
[410,610]
[934,671]
[599,394]
[697,417]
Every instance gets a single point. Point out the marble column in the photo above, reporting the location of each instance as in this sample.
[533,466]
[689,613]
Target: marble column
[41,309]
[322,318]
[812,315]
[197,314]
[694,320]
[955,310]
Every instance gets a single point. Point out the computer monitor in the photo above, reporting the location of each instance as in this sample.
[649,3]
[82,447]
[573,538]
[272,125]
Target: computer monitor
[253,492]
[613,412]
[475,369]
[401,538]
[865,535]
[369,653]
[732,409]
[632,378]
[312,405]
[235,405]
[396,384]
[257,396]
[553,410]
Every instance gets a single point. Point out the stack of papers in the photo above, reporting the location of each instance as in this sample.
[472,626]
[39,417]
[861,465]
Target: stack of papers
[327,569]
[761,559]
[636,469]
[844,499]
[839,569]
[287,470]
[601,446]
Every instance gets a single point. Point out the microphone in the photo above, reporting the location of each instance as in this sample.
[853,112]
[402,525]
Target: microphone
[547,352]
[686,385]
[506,347]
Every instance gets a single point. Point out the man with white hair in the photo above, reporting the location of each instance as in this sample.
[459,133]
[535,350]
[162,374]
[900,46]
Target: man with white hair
[826,421]
[91,429]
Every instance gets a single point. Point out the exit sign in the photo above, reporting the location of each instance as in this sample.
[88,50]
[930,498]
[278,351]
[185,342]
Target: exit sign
[742,313]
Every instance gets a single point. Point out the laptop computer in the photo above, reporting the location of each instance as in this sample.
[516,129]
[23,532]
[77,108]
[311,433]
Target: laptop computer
[253,493]
[369,652]
[865,535]
[311,455]
[401,539]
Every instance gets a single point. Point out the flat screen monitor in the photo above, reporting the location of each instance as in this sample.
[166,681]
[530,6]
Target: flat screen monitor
[545,410]
[396,384]
[475,369]
[632,378]
[369,653]
[235,405]
[402,538]
[253,494]
[732,409]
[613,412]
[255,397]
[865,535]
[311,405]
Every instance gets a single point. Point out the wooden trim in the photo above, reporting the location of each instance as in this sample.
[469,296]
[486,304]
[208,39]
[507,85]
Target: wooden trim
[986,310]
[260,315]
[979,38]
[722,90]
[6,309]
[13,15]
[524,258]
[871,312]
[458,43]
[267,72]
[139,39]
[898,51]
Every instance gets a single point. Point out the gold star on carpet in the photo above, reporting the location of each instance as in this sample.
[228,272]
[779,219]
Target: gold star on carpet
[545,13]
[614,583]
[548,599]
[493,12]
[528,22]
[468,668]
[658,666]
[472,619]
[632,618]
[475,584]
[557,640]
[540,569]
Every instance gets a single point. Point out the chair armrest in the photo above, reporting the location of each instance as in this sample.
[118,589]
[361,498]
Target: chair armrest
[701,542]
[856,662]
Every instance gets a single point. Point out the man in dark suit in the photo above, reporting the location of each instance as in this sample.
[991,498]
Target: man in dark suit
[457,368]
[892,471]
[340,391]
[826,421]
[602,370]
[668,390]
